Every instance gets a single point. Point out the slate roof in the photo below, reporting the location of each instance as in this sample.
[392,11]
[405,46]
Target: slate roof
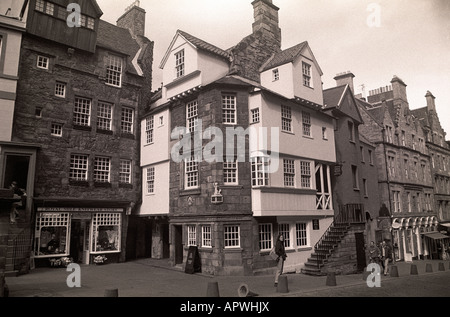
[205,46]
[117,39]
[332,96]
[285,56]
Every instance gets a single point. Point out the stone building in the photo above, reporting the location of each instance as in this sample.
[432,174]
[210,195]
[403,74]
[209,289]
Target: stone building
[354,182]
[207,183]
[79,94]
[439,151]
[17,159]
[404,170]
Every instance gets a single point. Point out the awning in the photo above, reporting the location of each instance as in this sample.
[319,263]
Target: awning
[435,235]
[445,224]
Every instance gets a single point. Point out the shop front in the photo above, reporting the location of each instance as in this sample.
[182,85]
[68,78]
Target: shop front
[83,235]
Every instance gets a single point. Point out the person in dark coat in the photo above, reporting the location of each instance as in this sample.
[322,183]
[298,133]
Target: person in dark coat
[281,252]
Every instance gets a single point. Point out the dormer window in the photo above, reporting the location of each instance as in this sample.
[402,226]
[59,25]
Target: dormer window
[276,74]
[306,69]
[179,63]
[114,71]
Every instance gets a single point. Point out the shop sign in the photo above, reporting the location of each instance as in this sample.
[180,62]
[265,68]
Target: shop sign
[77,209]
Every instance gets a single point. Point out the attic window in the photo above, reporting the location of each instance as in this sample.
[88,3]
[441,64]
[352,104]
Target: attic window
[276,74]
[114,71]
[179,63]
[306,69]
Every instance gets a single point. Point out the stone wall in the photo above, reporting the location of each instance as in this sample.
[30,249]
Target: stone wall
[343,260]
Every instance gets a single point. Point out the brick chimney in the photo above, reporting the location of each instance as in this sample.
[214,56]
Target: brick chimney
[266,19]
[431,105]
[345,79]
[133,19]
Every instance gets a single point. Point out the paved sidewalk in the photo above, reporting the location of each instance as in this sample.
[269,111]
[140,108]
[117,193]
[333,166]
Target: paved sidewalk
[154,278]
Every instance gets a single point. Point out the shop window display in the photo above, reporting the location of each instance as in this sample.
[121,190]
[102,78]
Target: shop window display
[106,233]
[51,235]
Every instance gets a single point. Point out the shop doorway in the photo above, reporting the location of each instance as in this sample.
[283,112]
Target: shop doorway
[79,241]
[165,240]
[178,236]
[360,251]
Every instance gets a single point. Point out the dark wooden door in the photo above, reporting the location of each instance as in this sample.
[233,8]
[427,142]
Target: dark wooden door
[360,251]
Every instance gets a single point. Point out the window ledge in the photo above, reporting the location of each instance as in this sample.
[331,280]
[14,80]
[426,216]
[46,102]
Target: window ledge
[102,185]
[102,131]
[78,183]
[126,135]
[125,185]
[189,192]
[184,78]
[82,127]
[233,250]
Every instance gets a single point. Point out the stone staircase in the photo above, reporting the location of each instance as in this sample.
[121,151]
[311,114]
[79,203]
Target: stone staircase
[325,248]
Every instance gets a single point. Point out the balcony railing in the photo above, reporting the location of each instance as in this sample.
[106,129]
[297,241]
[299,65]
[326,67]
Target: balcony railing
[350,213]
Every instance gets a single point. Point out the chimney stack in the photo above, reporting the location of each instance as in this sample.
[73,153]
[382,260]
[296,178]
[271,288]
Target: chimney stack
[266,19]
[133,19]
[345,79]
[431,105]
[399,89]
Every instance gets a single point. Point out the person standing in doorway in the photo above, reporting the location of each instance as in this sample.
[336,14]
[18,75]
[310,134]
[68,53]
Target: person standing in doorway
[281,252]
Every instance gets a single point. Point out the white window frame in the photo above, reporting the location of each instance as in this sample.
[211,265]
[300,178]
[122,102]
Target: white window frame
[300,237]
[125,171]
[229,109]
[285,230]
[191,173]
[230,172]
[127,120]
[102,169]
[60,89]
[232,236]
[255,115]
[265,237]
[109,220]
[305,174]
[40,5]
[192,116]
[79,167]
[306,124]
[150,180]
[49,8]
[180,64]
[114,71]
[52,220]
[82,112]
[307,76]
[104,115]
[289,172]
[286,119]
[149,130]
[275,74]
[207,236]
[56,129]
[42,62]
[191,235]
[260,171]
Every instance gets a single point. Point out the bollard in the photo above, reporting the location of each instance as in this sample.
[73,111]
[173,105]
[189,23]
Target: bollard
[331,279]
[212,289]
[414,269]
[441,266]
[429,268]
[394,271]
[112,292]
[244,291]
[282,286]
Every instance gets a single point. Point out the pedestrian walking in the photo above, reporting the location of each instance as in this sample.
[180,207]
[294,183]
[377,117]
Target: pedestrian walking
[374,253]
[386,256]
[281,252]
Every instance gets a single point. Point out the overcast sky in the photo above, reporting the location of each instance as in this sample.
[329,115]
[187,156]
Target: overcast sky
[412,40]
